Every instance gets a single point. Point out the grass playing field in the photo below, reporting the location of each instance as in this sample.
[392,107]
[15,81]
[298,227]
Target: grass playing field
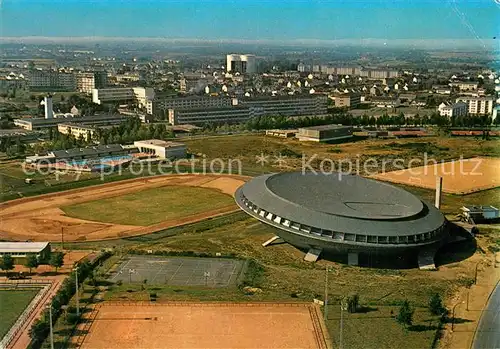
[12,304]
[151,206]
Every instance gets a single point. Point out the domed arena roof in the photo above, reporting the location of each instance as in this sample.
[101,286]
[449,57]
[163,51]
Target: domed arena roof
[339,203]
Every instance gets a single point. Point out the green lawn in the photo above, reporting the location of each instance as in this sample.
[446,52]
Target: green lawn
[151,206]
[12,304]
[377,328]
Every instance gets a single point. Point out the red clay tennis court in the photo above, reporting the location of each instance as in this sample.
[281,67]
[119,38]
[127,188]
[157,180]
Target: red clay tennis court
[206,325]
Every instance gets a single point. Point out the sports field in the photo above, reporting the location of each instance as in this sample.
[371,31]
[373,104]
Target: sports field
[206,325]
[146,205]
[459,177]
[179,271]
[12,304]
[150,206]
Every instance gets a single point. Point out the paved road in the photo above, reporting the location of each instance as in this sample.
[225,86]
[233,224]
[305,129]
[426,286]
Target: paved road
[488,331]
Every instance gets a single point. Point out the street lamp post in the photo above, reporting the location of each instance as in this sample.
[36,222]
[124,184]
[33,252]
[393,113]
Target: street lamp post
[475,273]
[325,309]
[343,306]
[50,326]
[76,284]
[62,238]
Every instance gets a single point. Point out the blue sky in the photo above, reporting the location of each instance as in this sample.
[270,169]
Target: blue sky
[253,19]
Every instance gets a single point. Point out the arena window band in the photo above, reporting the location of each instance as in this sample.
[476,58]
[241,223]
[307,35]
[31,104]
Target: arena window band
[348,237]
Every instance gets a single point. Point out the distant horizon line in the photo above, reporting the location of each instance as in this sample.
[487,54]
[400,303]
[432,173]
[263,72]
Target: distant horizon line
[484,44]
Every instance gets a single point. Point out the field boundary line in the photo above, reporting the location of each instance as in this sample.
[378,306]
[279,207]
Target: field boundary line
[112,303]
[113,184]
[21,321]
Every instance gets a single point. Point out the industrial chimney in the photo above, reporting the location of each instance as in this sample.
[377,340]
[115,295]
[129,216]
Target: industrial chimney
[439,187]
[47,102]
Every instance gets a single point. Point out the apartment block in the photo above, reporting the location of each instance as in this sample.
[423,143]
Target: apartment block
[453,109]
[287,105]
[202,116]
[160,106]
[49,80]
[478,105]
[139,95]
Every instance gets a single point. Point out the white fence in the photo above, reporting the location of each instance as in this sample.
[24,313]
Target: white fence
[21,320]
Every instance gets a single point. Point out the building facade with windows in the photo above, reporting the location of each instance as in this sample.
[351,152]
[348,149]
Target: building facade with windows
[238,63]
[453,109]
[230,115]
[478,105]
[20,250]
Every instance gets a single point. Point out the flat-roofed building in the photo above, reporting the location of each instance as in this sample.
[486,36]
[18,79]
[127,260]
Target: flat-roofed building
[282,133]
[20,250]
[139,95]
[452,109]
[478,105]
[464,86]
[96,120]
[50,80]
[298,105]
[202,116]
[77,130]
[159,106]
[237,63]
[324,133]
[85,82]
[347,100]
[162,149]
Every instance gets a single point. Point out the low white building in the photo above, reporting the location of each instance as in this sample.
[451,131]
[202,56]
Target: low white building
[452,109]
[480,212]
[139,95]
[23,249]
[162,149]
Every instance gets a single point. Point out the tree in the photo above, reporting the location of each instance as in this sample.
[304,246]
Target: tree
[352,303]
[39,331]
[436,305]
[7,263]
[405,315]
[56,260]
[31,261]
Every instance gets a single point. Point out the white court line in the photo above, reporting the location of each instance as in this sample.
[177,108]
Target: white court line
[157,273]
[235,265]
[121,269]
[193,272]
[180,265]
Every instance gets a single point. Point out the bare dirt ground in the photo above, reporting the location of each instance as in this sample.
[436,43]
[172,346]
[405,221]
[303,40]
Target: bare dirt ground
[459,177]
[41,219]
[206,325]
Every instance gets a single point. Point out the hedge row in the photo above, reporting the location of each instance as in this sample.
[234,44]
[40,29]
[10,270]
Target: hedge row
[40,329]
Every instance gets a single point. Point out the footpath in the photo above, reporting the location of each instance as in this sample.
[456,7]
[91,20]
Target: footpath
[469,305]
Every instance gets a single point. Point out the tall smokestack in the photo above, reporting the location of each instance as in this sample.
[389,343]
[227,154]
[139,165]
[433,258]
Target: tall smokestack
[439,188]
[47,102]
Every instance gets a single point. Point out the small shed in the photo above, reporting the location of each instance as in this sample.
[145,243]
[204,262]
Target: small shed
[478,213]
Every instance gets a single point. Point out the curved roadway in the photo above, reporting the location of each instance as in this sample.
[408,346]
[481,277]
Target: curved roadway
[488,331]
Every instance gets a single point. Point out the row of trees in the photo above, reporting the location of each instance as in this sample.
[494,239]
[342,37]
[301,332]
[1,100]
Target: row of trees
[406,312]
[132,130]
[32,261]
[40,329]
[269,122]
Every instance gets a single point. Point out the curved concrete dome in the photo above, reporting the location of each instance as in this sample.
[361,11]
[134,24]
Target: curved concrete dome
[344,195]
[367,209]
